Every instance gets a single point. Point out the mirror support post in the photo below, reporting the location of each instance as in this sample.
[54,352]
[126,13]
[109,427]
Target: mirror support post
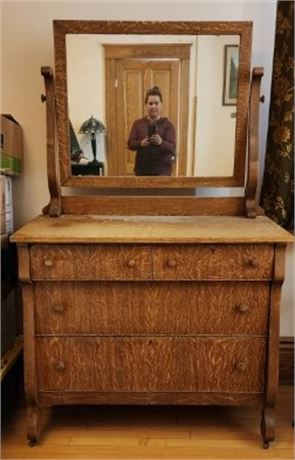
[253,138]
[54,207]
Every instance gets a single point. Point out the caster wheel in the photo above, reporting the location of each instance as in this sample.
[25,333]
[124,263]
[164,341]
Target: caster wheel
[32,443]
[265,445]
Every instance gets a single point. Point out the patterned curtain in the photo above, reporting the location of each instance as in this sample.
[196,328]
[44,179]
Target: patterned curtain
[277,194]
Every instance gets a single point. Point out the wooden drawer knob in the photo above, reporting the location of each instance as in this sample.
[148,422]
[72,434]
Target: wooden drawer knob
[171,263]
[60,366]
[243,308]
[58,308]
[241,366]
[48,262]
[131,263]
[252,262]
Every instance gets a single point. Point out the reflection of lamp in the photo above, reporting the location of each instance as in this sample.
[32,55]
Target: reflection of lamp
[91,127]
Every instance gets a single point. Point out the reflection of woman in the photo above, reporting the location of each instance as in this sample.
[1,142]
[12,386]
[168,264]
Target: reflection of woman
[153,138]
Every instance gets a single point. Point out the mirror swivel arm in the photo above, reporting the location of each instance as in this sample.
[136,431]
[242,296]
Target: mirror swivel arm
[253,139]
[54,207]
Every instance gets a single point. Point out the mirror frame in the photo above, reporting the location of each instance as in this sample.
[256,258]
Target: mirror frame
[63,27]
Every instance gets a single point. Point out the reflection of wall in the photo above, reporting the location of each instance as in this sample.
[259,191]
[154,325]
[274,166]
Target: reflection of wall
[214,146]
[85,87]
[85,63]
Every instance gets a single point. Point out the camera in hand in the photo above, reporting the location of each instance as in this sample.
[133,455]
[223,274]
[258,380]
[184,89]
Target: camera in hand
[151,130]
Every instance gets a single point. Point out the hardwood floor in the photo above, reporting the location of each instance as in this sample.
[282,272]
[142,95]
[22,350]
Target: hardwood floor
[152,433]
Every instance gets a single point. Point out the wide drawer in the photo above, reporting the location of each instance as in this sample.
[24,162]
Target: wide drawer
[90,262]
[213,262]
[151,364]
[151,308]
[136,262]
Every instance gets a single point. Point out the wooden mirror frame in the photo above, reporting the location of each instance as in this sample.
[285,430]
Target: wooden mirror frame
[63,27]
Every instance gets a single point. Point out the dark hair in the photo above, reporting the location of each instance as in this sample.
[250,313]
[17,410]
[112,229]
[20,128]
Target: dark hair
[155,91]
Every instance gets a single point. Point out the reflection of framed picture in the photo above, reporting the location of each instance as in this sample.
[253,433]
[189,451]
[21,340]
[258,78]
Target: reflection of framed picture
[231,71]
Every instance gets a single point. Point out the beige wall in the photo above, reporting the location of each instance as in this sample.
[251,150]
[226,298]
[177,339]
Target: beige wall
[214,151]
[27,44]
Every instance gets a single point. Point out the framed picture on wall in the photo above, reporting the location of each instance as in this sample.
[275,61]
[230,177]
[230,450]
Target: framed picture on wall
[230,75]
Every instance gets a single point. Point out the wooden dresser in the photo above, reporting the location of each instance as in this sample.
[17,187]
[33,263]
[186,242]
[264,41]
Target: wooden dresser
[146,298]
[151,310]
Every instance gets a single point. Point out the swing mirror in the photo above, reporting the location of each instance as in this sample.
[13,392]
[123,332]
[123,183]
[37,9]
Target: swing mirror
[103,71]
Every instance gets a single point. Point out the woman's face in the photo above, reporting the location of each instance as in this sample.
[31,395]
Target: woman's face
[154,106]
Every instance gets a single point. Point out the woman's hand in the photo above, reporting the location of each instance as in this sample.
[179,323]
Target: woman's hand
[145,142]
[156,139]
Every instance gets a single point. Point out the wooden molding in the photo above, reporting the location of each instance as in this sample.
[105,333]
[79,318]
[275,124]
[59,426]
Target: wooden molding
[156,50]
[151,205]
[287,360]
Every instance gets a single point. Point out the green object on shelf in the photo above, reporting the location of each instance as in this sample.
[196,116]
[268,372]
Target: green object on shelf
[10,164]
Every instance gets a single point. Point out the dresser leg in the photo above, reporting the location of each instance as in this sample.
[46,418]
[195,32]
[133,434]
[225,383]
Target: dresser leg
[267,426]
[33,424]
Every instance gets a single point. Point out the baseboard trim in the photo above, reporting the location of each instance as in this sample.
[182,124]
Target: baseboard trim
[286,361]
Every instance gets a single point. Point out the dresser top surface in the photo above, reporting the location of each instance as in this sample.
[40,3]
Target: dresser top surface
[151,229]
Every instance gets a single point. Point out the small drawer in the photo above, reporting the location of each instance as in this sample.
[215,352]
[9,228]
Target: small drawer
[213,262]
[151,364]
[90,262]
[152,308]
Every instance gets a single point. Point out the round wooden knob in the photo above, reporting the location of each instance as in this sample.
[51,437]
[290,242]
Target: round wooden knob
[131,263]
[171,263]
[60,366]
[252,262]
[241,366]
[48,262]
[59,308]
[243,308]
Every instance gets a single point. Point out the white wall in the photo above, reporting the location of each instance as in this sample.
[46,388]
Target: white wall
[27,44]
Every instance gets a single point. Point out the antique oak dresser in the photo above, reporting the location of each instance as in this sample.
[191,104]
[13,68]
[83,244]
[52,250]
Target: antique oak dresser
[141,299]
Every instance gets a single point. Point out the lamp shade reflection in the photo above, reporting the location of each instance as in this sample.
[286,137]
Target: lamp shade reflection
[92,126]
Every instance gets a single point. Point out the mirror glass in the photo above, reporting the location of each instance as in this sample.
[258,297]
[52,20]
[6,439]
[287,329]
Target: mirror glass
[107,79]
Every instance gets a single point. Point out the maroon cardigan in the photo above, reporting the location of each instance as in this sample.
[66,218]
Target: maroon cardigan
[153,160]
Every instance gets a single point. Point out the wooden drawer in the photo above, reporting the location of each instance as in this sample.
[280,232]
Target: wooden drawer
[213,262]
[151,364]
[151,308]
[172,262]
[90,262]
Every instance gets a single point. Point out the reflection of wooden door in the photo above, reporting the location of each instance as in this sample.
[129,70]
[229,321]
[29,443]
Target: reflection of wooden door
[130,79]
[134,79]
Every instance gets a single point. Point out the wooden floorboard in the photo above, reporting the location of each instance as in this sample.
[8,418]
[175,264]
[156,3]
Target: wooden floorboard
[119,432]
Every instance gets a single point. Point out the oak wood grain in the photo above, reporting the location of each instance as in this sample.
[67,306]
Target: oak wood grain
[30,371]
[49,398]
[213,262]
[253,142]
[153,205]
[151,308]
[91,262]
[151,229]
[272,365]
[151,364]
[52,161]
[183,316]
[169,262]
